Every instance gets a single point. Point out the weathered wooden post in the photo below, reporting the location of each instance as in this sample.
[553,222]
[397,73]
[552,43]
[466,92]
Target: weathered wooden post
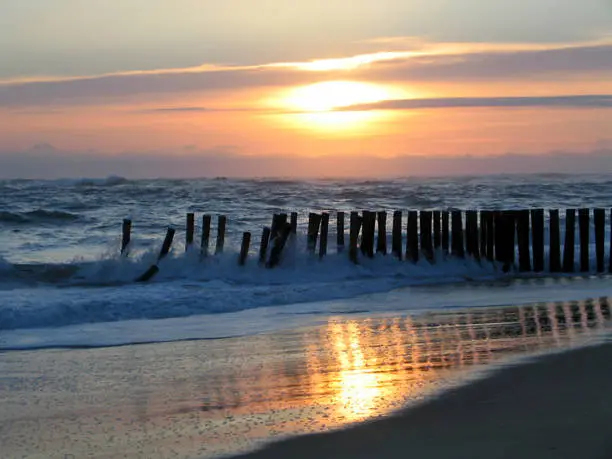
[537,239]
[554,242]
[570,241]
[126,236]
[263,246]
[278,245]
[426,242]
[396,237]
[599,216]
[165,249]
[522,229]
[221,224]
[457,247]
[204,242]
[314,220]
[445,233]
[354,236]
[324,231]
[437,236]
[584,224]
[367,235]
[483,234]
[412,245]
[189,230]
[471,229]
[294,217]
[244,248]
[381,244]
[491,231]
[340,231]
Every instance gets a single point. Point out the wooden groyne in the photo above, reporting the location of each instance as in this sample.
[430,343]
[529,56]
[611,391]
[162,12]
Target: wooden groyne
[513,240]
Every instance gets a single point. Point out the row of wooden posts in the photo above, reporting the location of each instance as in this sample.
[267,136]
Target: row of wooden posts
[487,235]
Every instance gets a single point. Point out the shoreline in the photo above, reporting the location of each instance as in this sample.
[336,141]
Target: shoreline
[554,406]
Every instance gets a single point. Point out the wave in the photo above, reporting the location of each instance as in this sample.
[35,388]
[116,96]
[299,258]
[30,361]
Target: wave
[37,216]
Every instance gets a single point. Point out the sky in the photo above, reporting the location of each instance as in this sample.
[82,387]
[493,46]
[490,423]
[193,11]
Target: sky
[323,88]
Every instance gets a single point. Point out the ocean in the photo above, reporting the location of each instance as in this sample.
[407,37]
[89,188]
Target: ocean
[64,284]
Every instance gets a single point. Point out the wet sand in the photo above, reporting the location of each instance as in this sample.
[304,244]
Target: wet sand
[201,399]
[556,407]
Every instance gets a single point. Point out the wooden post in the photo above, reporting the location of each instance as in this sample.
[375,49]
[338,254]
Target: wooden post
[165,249]
[445,235]
[471,229]
[354,236]
[396,238]
[221,224]
[368,230]
[426,242]
[278,225]
[437,236]
[314,220]
[584,223]
[554,242]
[279,245]
[244,248]
[126,236]
[189,230]
[599,216]
[205,236]
[457,247]
[381,244]
[263,246]
[489,215]
[511,236]
[483,234]
[522,228]
[570,240]
[412,245]
[340,231]
[294,217]
[537,239]
[324,231]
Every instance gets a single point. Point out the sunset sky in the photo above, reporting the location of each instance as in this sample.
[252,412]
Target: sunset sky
[190,87]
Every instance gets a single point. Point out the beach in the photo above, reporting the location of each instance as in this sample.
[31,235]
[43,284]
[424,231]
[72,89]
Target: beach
[219,397]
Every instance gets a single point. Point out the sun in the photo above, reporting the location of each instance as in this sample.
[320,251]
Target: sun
[330,95]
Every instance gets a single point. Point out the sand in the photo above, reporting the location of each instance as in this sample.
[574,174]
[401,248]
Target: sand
[556,407]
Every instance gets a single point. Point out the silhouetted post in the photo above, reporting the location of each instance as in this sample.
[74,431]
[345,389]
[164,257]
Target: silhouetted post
[278,225]
[274,226]
[189,230]
[522,229]
[279,245]
[483,234]
[499,236]
[555,242]
[412,245]
[354,236]
[324,231]
[610,259]
[437,236]
[165,249]
[294,217]
[381,244]
[599,217]
[314,220]
[368,230]
[471,229]
[244,248]
[396,238]
[205,236]
[263,246]
[457,247]
[489,215]
[340,231]
[537,239]
[445,234]
[570,241]
[126,236]
[584,223]
[221,224]
[426,242]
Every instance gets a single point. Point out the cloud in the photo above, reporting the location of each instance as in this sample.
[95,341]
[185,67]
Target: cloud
[489,65]
[571,101]
[46,162]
